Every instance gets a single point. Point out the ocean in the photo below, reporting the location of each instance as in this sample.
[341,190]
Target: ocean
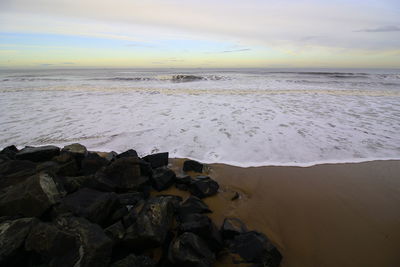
[243,117]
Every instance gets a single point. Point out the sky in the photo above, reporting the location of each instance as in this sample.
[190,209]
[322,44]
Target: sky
[199,33]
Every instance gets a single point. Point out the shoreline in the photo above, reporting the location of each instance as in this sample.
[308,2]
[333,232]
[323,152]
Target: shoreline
[323,215]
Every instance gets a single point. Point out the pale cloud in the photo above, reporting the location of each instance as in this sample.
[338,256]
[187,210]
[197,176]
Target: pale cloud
[382,29]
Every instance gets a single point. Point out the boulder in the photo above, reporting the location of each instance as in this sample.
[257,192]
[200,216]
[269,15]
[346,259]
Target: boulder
[131,198]
[256,248]
[12,237]
[68,168]
[192,165]
[202,226]
[92,163]
[190,250]
[37,154]
[162,178]
[32,197]
[15,171]
[135,261]
[56,247]
[232,227]
[77,150]
[99,182]
[157,160]
[127,154]
[183,182]
[203,186]
[95,247]
[152,224]
[127,174]
[9,152]
[91,204]
[193,205]
[109,156]
[115,231]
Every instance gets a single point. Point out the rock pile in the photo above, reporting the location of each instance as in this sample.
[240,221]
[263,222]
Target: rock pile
[73,207]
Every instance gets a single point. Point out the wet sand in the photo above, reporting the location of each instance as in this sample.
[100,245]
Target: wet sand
[324,215]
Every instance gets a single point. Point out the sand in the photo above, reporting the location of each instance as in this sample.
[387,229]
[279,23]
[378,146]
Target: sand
[324,215]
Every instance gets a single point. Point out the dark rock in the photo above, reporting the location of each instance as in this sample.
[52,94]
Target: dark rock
[193,205]
[157,160]
[126,173]
[128,153]
[192,165]
[15,171]
[232,227]
[92,163]
[9,152]
[77,150]
[109,156]
[116,231]
[32,197]
[56,247]
[202,226]
[37,154]
[118,214]
[183,182]
[131,198]
[95,247]
[203,186]
[255,247]
[91,204]
[12,237]
[152,223]
[135,261]
[99,182]
[190,250]
[69,168]
[162,178]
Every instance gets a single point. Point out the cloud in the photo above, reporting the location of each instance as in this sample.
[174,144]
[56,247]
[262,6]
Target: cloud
[382,29]
[236,50]
[68,63]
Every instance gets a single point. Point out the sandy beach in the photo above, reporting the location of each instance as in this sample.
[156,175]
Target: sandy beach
[324,215]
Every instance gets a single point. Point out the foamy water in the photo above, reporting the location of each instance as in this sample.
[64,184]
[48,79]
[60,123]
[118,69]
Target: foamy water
[240,117]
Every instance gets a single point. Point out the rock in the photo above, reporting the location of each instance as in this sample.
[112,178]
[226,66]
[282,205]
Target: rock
[15,171]
[190,250]
[92,163]
[69,168]
[32,197]
[91,204]
[192,165]
[126,173]
[95,247]
[131,198]
[109,156]
[202,226]
[162,178]
[203,186]
[115,231]
[183,182]
[152,223]
[193,205]
[9,152]
[232,227]
[77,150]
[118,214]
[12,237]
[98,182]
[128,153]
[255,247]
[157,160]
[37,154]
[135,261]
[56,247]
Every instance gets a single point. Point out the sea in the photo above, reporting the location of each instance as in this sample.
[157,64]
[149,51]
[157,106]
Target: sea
[242,117]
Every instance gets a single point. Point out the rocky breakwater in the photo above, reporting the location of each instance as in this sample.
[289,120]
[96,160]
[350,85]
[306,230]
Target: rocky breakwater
[73,207]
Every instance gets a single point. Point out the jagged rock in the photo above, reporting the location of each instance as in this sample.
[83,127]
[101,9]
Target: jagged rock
[192,165]
[69,168]
[162,178]
[135,261]
[9,152]
[91,204]
[56,247]
[77,150]
[152,223]
[202,226]
[95,247]
[183,182]
[99,182]
[157,160]
[15,171]
[12,237]
[32,197]
[255,247]
[37,154]
[190,250]
[92,163]
[128,153]
[126,173]
[193,205]
[203,186]
[232,227]
[115,231]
